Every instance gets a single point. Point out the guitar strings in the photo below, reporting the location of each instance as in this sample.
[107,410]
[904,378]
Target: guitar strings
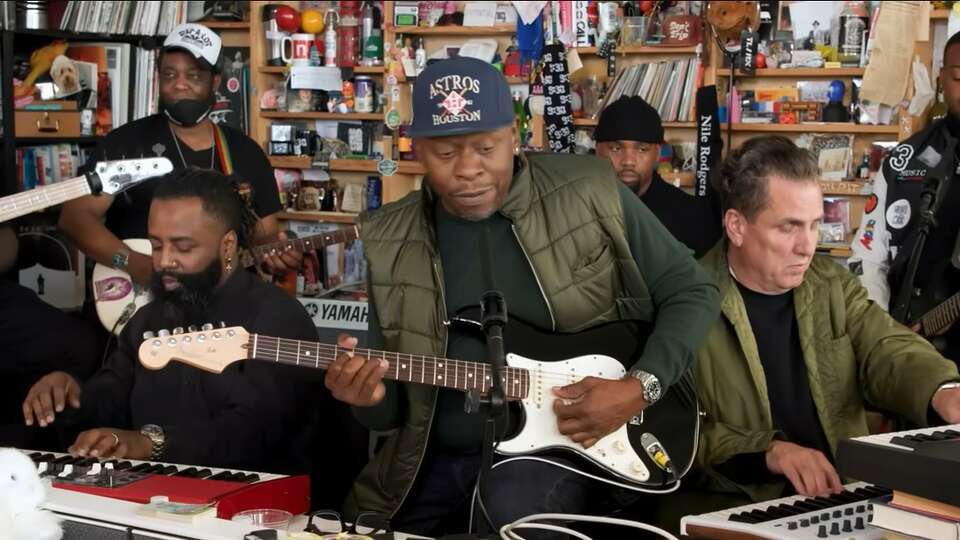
[328,353]
[66,189]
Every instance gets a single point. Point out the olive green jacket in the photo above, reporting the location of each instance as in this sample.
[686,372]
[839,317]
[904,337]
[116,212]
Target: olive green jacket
[568,219]
[854,352]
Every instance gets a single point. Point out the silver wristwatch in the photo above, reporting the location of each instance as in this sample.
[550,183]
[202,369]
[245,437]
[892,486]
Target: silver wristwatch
[157,439]
[652,389]
[947,386]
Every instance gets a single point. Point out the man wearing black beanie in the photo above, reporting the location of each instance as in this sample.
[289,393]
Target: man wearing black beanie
[629,134]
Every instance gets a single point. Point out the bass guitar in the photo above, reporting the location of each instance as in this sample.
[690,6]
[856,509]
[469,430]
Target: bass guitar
[629,454]
[109,177]
[117,297]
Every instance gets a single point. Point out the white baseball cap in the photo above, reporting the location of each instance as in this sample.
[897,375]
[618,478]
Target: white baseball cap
[200,41]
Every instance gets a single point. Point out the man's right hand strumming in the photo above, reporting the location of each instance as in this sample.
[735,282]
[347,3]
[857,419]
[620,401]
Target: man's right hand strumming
[49,396]
[354,379]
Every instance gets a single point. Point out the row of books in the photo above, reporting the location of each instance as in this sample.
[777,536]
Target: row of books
[668,86]
[144,18]
[147,84]
[48,164]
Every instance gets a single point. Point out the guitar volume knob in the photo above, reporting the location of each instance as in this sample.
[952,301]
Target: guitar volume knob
[619,447]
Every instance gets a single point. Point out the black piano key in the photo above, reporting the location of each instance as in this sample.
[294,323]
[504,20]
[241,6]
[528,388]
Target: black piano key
[903,441]
[762,515]
[140,468]
[203,473]
[189,472]
[86,462]
[48,457]
[777,512]
[121,465]
[169,470]
[222,475]
[743,517]
[35,456]
[63,459]
[952,432]
[810,505]
[940,436]
[876,491]
[250,478]
[155,469]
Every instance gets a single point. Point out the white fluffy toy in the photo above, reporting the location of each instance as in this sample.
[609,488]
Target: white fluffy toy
[21,494]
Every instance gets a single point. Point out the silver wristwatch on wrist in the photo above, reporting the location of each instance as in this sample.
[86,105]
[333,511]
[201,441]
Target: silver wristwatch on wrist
[652,389]
[157,440]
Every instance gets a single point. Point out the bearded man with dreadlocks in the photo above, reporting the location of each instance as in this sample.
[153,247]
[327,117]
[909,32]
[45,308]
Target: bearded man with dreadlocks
[251,417]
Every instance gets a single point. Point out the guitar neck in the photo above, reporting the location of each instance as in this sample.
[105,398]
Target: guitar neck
[25,202]
[415,368]
[941,317]
[308,243]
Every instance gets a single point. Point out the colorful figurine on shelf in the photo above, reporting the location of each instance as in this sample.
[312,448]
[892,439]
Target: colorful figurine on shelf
[834,111]
[395,56]
[41,60]
[348,95]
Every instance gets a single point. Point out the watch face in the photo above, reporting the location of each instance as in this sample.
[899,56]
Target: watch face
[152,430]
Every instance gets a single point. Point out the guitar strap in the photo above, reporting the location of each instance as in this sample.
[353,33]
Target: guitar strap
[223,150]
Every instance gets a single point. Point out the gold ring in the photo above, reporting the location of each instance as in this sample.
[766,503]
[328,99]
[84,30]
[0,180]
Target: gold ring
[116,439]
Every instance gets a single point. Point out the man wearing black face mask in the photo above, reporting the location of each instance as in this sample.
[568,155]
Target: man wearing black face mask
[254,416]
[888,228]
[188,74]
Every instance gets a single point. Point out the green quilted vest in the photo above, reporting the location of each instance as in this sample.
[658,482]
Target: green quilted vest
[567,216]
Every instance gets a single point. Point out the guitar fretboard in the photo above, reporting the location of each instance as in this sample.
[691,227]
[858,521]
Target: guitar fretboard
[13,206]
[307,243]
[416,368]
[942,316]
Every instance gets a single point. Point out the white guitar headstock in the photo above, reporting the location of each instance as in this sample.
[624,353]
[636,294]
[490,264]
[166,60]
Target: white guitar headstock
[116,176]
[210,349]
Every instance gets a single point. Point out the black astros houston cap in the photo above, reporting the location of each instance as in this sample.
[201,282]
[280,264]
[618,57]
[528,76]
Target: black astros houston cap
[629,119]
[458,96]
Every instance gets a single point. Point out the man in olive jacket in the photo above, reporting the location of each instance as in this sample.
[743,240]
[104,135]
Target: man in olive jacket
[799,349]
[574,249]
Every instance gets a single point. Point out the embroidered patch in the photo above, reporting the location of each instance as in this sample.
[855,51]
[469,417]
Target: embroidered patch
[898,214]
[871,204]
[900,157]
[867,239]
[457,92]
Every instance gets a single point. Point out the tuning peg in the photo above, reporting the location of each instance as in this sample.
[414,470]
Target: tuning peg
[207,327]
[223,324]
[191,328]
[178,330]
[163,333]
[147,335]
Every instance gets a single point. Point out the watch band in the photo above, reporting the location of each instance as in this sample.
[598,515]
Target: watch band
[121,259]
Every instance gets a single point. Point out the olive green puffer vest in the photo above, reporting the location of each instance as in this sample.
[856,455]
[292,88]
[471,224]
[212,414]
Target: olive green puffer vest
[568,218]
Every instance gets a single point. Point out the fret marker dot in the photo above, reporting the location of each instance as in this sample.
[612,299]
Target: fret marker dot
[439,377]
[440,366]
[469,375]
[404,366]
[307,353]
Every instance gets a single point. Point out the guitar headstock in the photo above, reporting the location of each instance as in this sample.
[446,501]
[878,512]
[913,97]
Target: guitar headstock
[116,176]
[210,349]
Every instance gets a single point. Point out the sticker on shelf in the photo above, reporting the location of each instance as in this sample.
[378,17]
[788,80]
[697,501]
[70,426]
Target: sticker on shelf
[387,167]
[393,119]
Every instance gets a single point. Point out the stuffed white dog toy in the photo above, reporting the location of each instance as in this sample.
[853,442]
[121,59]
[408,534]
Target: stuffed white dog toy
[21,494]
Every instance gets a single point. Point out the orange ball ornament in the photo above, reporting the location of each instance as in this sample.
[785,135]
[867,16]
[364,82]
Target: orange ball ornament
[311,21]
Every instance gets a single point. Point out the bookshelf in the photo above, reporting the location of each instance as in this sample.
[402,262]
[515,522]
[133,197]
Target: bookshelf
[797,73]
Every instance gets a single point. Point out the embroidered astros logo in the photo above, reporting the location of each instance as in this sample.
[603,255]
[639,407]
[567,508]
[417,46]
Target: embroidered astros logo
[455,105]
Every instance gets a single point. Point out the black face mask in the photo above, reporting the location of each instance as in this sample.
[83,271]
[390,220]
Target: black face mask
[195,293]
[188,112]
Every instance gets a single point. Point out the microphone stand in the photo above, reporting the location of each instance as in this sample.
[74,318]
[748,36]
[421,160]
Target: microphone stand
[492,404]
[934,189]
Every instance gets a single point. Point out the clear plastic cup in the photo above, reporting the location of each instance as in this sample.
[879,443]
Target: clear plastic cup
[265,517]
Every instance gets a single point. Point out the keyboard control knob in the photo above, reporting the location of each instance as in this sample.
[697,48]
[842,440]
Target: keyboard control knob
[815,520]
[792,525]
[846,526]
[822,531]
[859,523]
[835,528]
[637,467]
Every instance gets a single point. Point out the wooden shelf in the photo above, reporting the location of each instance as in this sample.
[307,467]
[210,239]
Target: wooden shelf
[645,49]
[226,25]
[290,162]
[272,69]
[846,187]
[370,166]
[454,30]
[83,139]
[679,178]
[358,70]
[592,122]
[939,14]
[517,80]
[812,127]
[797,73]
[320,115]
[330,217]
[344,165]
